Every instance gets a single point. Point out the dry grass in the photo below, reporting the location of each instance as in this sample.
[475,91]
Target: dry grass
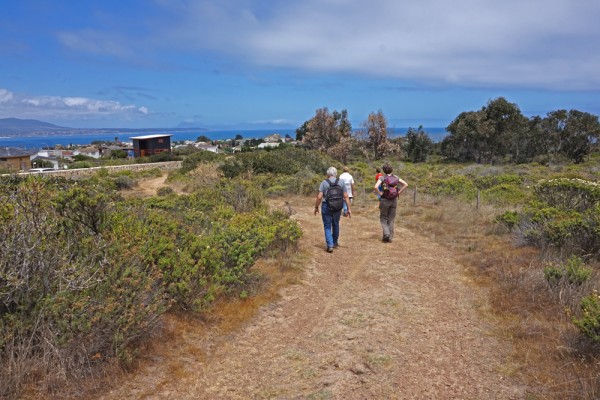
[549,354]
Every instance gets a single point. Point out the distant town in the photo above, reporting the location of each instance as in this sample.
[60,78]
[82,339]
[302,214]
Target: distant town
[58,157]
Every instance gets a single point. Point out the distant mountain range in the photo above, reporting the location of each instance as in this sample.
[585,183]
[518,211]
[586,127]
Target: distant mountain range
[16,126]
[33,127]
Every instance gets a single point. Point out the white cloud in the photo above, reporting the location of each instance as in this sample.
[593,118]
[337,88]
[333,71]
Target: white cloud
[28,106]
[544,44]
[5,96]
[550,44]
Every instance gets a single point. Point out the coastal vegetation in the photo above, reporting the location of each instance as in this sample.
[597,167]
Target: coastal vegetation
[87,272]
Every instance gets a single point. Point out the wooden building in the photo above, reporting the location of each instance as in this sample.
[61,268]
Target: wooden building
[149,145]
[15,159]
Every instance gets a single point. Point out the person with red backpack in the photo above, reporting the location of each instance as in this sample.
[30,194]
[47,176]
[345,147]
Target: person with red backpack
[389,188]
[332,197]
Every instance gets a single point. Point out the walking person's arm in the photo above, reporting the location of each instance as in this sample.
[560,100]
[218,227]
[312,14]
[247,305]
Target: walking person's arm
[347,200]
[404,186]
[377,187]
[318,202]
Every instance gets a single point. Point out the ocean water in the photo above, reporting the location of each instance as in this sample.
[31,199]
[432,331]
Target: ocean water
[38,142]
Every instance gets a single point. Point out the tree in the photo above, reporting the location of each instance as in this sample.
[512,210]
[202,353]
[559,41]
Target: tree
[486,135]
[329,133]
[301,131]
[508,126]
[418,145]
[570,133]
[466,138]
[203,138]
[374,137]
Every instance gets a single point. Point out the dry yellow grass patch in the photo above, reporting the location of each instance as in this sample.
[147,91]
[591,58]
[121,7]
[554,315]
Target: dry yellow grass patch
[548,351]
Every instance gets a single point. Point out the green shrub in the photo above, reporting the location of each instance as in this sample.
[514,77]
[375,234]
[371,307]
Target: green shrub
[509,218]
[125,182]
[457,185]
[85,272]
[286,161]
[191,161]
[569,194]
[503,194]
[576,271]
[81,164]
[487,182]
[165,191]
[553,275]
[589,323]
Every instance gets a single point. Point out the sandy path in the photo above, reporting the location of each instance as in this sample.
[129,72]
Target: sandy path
[370,321]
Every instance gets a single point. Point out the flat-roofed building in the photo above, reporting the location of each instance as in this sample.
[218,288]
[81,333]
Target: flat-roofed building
[149,145]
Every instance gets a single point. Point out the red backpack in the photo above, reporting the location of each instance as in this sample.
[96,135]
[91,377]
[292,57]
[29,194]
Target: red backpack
[390,187]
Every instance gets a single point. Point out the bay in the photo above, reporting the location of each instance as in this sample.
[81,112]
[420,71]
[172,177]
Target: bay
[43,141]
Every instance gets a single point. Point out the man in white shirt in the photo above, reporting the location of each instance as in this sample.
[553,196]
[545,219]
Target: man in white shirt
[349,182]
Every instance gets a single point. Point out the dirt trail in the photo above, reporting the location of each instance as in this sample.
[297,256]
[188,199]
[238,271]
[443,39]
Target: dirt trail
[370,321]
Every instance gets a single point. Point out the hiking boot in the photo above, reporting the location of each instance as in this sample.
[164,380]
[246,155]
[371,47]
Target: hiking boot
[386,239]
[335,245]
[330,249]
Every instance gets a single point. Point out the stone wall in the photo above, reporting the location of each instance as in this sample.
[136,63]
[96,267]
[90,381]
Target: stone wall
[84,172]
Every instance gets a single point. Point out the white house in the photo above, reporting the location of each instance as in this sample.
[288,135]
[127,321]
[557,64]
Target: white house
[207,147]
[93,152]
[270,145]
[35,161]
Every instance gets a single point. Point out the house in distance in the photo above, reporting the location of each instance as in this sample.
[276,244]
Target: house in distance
[149,145]
[15,159]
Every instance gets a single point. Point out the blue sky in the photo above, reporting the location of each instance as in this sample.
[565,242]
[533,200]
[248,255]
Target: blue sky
[244,64]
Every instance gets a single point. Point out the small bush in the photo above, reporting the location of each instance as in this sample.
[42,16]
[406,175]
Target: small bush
[503,194]
[165,191]
[569,194]
[487,182]
[589,323]
[509,218]
[125,182]
[201,157]
[553,275]
[576,271]
[453,186]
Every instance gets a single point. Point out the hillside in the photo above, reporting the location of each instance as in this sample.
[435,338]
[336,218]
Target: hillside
[17,126]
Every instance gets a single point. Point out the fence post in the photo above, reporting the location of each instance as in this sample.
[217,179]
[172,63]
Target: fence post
[478,199]
[415,196]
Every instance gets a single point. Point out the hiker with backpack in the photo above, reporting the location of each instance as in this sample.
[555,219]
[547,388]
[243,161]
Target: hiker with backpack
[389,188]
[331,197]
